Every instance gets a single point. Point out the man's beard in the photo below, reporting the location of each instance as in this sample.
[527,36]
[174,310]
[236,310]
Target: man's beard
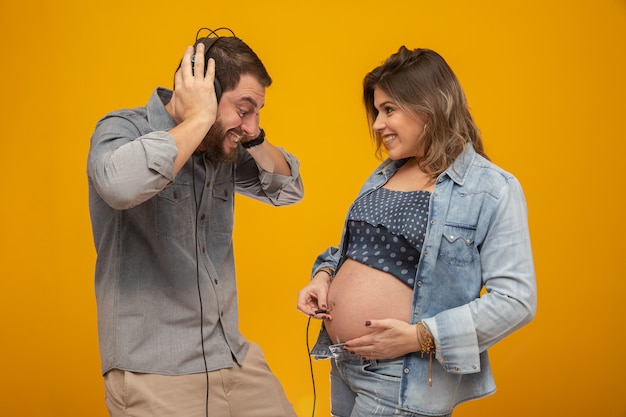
[213,144]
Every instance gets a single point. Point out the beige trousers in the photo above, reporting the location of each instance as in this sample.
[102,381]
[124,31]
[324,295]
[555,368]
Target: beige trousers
[250,390]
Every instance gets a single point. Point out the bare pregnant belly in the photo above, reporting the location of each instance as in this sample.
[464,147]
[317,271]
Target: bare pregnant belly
[359,293]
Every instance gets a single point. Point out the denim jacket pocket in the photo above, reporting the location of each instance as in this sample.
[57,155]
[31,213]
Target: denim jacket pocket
[457,246]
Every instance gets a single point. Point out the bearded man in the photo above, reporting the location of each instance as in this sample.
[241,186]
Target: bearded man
[162,180]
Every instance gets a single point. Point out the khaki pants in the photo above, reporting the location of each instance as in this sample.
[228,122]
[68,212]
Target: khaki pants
[241,391]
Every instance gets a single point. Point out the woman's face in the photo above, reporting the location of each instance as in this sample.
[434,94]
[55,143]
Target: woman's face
[400,131]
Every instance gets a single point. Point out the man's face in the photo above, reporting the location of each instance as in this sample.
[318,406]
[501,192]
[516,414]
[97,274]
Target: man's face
[237,119]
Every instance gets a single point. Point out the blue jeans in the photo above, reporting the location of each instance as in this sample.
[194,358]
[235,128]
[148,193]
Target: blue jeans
[366,388]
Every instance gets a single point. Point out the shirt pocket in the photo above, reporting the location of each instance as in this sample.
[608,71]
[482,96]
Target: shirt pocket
[457,245]
[174,212]
[222,211]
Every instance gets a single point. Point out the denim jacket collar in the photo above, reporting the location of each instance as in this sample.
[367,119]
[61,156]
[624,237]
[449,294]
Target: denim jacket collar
[457,172]
[460,169]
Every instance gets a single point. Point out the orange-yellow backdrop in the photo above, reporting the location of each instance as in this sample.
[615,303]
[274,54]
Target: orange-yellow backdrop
[546,83]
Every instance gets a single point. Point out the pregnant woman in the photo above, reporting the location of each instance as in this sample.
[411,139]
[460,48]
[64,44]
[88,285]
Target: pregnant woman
[434,265]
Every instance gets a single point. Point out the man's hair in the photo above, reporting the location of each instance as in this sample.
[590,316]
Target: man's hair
[421,82]
[233,57]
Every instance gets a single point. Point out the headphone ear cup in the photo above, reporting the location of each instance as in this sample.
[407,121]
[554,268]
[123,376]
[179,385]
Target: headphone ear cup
[208,44]
[218,89]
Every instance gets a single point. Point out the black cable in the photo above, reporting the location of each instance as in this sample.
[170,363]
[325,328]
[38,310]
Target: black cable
[308,351]
[213,32]
[195,199]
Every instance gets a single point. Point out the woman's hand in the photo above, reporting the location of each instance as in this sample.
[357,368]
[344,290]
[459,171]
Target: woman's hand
[312,298]
[390,339]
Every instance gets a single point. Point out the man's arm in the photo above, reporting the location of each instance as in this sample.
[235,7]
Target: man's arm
[270,159]
[193,105]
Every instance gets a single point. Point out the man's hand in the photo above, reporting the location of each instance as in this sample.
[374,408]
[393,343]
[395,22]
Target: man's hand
[194,92]
[193,105]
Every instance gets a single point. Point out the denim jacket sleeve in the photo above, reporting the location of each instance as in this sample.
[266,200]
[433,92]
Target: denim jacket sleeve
[327,259]
[502,239]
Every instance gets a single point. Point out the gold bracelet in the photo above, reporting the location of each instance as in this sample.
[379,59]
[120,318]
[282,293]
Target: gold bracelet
[427,345]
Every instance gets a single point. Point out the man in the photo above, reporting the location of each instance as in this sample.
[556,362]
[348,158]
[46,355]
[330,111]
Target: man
[162,180]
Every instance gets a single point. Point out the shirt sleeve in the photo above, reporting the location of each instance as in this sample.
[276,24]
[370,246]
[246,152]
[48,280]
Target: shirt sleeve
[126,167]
[276,189]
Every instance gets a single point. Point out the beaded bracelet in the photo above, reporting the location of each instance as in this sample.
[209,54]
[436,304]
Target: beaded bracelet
[329,271]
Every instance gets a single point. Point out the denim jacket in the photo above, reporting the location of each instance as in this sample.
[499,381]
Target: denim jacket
[477,237]
[164,244]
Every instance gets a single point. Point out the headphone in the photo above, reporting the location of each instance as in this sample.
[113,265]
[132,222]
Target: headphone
[209,41]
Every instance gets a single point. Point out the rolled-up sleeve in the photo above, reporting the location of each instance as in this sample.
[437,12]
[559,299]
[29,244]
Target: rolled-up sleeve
[126,167]
[276,189]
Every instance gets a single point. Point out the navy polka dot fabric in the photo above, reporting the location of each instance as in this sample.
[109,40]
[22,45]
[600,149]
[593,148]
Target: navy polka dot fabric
[386,231]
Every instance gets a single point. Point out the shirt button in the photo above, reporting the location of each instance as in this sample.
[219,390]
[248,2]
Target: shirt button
[208,184]
[406,370]
[202,217]
[419,283]
[203,249]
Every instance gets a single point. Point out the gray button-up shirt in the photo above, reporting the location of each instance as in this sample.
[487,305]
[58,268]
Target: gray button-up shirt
[164,244]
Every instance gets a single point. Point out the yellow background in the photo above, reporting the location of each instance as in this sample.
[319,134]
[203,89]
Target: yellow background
[545,81]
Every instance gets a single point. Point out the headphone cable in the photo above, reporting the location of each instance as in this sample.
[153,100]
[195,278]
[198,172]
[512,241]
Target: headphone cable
[308,351]
[206,369]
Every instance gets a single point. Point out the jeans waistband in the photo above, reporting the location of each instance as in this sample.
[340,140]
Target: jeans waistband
[342,355]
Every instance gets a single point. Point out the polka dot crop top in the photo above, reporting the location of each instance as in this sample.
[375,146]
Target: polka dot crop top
[386,231]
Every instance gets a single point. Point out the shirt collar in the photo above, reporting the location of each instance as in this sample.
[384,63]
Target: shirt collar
[158,117]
